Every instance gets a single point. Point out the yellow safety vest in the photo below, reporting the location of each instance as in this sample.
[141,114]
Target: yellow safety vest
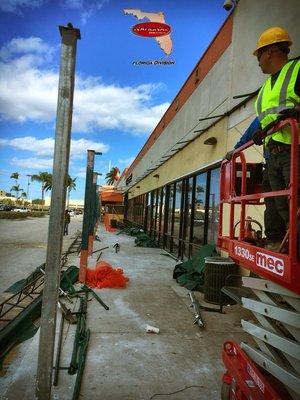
[270,101]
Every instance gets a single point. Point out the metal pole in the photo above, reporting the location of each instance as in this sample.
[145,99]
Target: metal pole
[86,215]
[69,37]
[28,184]
[92,215]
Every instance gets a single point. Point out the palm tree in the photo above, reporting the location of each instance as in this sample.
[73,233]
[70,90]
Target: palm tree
[48,184]
[112,176]
[23,197]
[17,189]
[45,178]
[71,185]
[15,176]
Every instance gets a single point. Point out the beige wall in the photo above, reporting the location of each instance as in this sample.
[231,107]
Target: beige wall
[196,155]
[13,199]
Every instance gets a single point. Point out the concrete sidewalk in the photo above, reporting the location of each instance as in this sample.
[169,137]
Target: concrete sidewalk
[123,361]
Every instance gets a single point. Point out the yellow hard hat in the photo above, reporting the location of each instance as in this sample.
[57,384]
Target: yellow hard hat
[271,36]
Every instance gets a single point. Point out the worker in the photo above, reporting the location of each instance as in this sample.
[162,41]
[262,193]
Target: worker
[274,225]
[67,220]
[279,94]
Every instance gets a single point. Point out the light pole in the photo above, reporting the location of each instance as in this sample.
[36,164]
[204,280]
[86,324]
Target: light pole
[28,184]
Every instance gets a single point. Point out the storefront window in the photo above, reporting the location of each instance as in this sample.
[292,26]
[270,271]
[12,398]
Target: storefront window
[182,216]
[177,214]
[158,200]
[169,229]
[162,213]
[150,212]
[199,209]
[213,210]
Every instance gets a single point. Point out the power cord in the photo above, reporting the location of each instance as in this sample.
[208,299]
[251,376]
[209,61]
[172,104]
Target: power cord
[177,391]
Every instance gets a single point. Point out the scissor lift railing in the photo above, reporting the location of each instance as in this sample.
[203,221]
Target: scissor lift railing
[284,269]
[275,360]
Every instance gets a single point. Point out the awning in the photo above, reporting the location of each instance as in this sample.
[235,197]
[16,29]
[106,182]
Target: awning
[108,197]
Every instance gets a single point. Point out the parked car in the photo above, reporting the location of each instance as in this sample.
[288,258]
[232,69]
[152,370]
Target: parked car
[6,208]
[24,210]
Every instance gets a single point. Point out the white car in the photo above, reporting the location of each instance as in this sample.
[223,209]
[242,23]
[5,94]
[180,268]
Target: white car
[24,210]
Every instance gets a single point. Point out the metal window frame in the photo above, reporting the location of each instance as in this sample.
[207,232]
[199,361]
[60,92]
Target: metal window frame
[163,193]
[206,215]
[162,197]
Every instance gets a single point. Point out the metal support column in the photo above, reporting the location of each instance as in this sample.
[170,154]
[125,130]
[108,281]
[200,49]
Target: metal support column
[88,223]
[86,215]
[92,224]
[69,37]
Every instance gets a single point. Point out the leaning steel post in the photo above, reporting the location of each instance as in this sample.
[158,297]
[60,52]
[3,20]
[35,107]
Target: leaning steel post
[69,36]
[92,215]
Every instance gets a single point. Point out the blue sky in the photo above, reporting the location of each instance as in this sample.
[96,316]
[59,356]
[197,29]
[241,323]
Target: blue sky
[116,104]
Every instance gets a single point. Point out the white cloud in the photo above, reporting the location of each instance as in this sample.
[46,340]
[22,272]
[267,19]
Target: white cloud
[32,163]
[97,105]
[88,7]
[24,46]
[126,161]
[45,147]
[28,92]
[80,146]
[15,6]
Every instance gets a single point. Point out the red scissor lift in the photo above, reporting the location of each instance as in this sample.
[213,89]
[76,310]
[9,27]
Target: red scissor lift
[262,373]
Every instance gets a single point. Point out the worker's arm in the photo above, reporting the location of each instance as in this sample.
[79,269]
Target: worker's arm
[247,135]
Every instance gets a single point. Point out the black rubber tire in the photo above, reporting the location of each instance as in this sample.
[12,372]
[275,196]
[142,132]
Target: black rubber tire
[225,391]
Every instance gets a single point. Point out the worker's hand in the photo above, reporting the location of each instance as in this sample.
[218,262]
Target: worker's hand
[228,155]
[257,137]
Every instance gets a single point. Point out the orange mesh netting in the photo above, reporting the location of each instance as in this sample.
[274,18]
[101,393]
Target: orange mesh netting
[105,276]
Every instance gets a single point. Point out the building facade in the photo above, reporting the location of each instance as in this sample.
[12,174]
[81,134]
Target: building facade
[172,187]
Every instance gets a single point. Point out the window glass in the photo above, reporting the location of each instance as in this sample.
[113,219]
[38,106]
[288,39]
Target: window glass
[150,210]
[162,211]
[170,211]
[199,209]
[188,214]
[213,212]
[158,199]
[177,213]
[154,214]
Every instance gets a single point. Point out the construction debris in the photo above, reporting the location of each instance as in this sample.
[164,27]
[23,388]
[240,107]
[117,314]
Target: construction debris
[195,305]
[105,276]
[152,329]
[143,240]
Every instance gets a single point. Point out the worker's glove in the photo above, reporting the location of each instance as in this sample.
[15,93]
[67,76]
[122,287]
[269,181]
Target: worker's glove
[228,155]
[257,137]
